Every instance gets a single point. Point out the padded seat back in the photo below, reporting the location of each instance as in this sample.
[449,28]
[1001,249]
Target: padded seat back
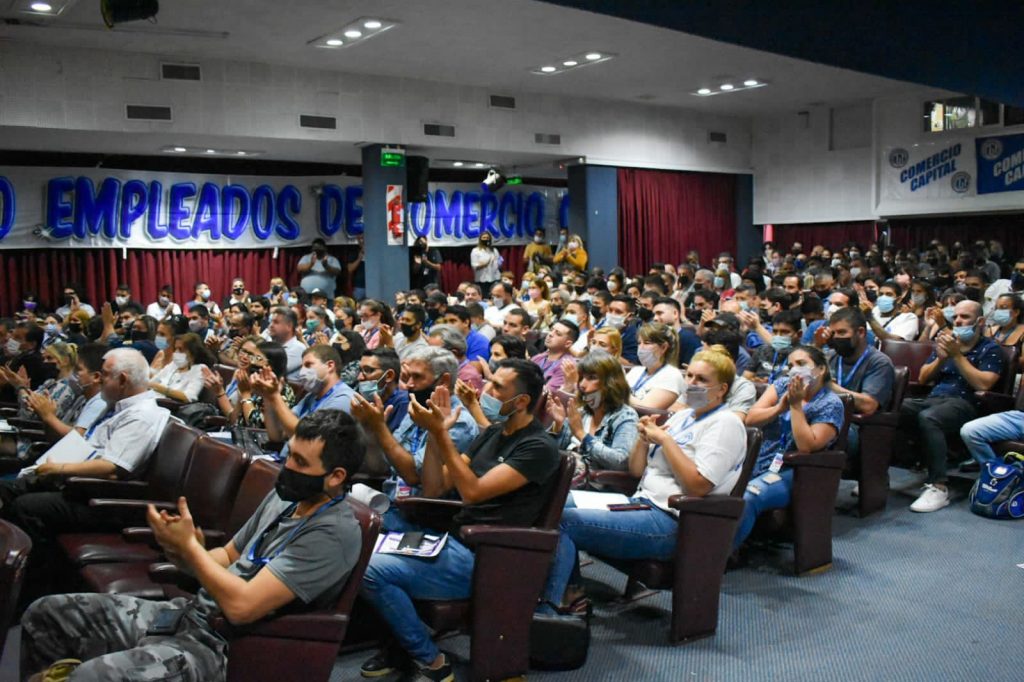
[171,460]
[226,372]
[212,480]
[840,442]
[911,354]
[901,379]
[1011,356]
[551,515]
[256,484]
[754,441]
[14,549]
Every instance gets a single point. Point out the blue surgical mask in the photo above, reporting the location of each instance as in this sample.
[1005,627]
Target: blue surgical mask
[719,282]
[999,317]
[161,342]
[885,303]
[780,342]
[949,312]
[492,408]
[369,389]
[744,306]
[571,318]
[965,334]
[50,329]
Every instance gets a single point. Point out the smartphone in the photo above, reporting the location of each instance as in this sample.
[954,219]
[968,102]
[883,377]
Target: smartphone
[411,540]
[166,623]
[631,506]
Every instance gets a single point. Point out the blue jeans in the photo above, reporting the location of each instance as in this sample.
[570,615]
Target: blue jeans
[762,495]
[641,534]
[979,434]
[392,582]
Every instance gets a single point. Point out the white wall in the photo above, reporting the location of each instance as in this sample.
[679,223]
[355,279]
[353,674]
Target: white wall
[86,90]
[797,179]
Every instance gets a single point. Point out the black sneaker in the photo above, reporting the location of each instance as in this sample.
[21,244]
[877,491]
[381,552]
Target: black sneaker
[442,674]
[386,661]
[970,466]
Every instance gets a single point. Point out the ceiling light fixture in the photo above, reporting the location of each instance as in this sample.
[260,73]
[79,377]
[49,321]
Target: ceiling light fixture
[457,164]
[704,91]
[725,86]
[750,83]
[570,62]
[573,61]
[548,69]
[179,149]
[211,151]
[728,87]
[354,32]
[479,165]
[41,7]
[593,56]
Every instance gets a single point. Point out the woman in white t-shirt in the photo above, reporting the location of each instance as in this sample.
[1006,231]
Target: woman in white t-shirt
[698,452]
[656,382]
[182,378]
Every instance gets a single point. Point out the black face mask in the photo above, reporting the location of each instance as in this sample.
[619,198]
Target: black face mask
[557,310]
[293,486]
[644,314]
[68,300]
[580,290]
[407,330]
[597,314]
[423,395]
[1017,280]
[433,314]
[75,328]
[276,289]
[844,347]
[684,281]
[238,291]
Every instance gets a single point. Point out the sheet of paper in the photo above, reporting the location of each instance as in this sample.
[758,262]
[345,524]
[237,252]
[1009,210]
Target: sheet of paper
[588,499]
[68,450]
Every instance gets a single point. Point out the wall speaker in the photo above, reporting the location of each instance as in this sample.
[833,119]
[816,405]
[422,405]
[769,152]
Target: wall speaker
[417,168]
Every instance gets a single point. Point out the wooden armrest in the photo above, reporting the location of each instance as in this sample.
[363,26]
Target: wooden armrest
[83,488]
[532,539]
[710,505]
[828,459]
[320,626]
[214,421]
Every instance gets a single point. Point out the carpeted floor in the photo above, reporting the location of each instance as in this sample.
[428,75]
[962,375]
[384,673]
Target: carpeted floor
[910,597]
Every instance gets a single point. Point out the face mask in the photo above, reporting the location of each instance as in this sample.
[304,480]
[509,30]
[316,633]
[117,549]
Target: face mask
[311,325]
[293,486]
[196,326]
[205,295]
[293,299]
[885,304]
[645,315]
[486,243]
[239,291]
[781,342]
[13,346]
[498,302]
[164,301]
[69,299]
[960,286]
[805,373]
[648,358]
[1017,280]
[571,318]
[949,312]
[50,329]
[616,321]
[180,360]
[719,282]
[696,397]
[844,347]
[999,317]
[918,299]
[120,300]
[836,262]
[613,286]
[310,380]
[592,400]
[423,395]
[369,389]
[407,330]
[964,334]
[75,328]
[432,314]
[538,240]
[854,272]
[276,289]
[162,342]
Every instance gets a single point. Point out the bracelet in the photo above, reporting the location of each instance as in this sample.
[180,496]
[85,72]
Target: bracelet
[246,400]
[221,395]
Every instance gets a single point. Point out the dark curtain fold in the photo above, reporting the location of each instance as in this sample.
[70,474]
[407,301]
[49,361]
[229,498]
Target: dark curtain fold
[915,233]
[829,235]
[99,271]
[663,215]
[456,268]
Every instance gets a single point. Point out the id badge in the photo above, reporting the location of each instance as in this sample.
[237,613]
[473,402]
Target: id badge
[771,478]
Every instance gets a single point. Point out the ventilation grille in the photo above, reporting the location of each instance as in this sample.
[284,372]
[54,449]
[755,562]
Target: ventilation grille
[181,72]
[717,137]
[547,138]
[322,122]
[438,130]
[145,112]
[503,102]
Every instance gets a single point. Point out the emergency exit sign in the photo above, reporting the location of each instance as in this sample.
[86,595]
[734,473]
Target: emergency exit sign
[390,158]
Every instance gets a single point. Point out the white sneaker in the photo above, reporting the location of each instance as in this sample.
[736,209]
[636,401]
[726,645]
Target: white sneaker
[932,499]
[856,490]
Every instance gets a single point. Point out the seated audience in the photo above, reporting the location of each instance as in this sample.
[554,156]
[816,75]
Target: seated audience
[164,306]
[558,343]
[239,401]
[379,373]
[656,382]
[182,378]
[451,339]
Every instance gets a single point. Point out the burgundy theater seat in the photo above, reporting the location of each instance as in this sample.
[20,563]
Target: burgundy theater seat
[877,435]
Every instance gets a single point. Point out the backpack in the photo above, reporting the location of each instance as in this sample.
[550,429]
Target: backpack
[999,491]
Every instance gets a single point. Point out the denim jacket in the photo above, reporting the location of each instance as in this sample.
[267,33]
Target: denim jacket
[610,445]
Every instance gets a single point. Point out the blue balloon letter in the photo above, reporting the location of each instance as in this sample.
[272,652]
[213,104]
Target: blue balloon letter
[289,202]
[207,212]
[177,212]
[133,205]
[331,205]
[234,221]
[7,198]
[263,212]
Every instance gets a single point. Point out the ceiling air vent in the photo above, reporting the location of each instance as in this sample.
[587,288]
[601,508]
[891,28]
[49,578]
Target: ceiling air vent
[547,138]
[503,102]
[322,122]
[180,72]
[145,112]
[438,130]
[716,137]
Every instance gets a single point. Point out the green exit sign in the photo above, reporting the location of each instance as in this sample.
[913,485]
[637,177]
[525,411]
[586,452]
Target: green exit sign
[392,159]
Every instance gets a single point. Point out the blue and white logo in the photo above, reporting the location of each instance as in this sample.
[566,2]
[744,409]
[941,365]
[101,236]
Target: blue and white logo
[899,157]
[991,149]
[961,182]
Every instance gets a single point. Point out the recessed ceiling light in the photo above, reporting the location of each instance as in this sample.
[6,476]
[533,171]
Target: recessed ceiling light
[725,86]
[479,165]
[750,83]
[548,69]
[372,24]
[593,56]
[352,33]
[180,149]
[211,151]
[335,42]
[704,91]
[240,152]
[41,7]
[457,164]
[571,62]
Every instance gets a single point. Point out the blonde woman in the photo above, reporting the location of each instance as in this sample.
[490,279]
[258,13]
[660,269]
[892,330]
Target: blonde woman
[656,382]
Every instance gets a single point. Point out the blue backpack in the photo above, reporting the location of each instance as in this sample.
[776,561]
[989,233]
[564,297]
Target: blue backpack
[999,491]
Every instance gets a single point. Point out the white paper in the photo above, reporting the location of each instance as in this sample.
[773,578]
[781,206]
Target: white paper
[387,543]
[374,499]
[5,427]
[70,449]
[588,499]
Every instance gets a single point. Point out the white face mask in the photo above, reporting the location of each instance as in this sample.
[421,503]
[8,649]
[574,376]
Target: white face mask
[13,346]
[592,400]
[310,380]
[121,300]
[180,360]
[648,357]
[616,321]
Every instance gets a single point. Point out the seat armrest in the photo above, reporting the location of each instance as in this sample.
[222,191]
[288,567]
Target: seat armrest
[167,403]
[139,534]
[619,481]
[320,626]
[992,402]
[118,504]
[82,488]
[532,539]
[31,434]
[828,459]
[887,419]
[214,421]
[428,512]
[214,538]
[166,573]
[12,465]
[710,505]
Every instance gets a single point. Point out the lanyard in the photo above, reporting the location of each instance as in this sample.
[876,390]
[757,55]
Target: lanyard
[232,387]
[368,335]
[645,378]
[855,366]
[254,547]
[318,402]
[96,424]
[545,367]
[687,426]
[418,435]
[775,369]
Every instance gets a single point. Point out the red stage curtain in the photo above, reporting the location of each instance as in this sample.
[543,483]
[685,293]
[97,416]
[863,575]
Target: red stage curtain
[915,233]
[456,268]
[830,235]
[662,215]
[99,271]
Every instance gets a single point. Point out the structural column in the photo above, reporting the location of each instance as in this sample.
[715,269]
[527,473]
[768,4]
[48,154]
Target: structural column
[594,212]
[387,267]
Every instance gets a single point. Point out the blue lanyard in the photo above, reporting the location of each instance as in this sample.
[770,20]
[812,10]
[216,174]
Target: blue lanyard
[418,435]
[263,561]
[232,387]
[96,424]
[645,378]
[771,376]
[855,366]
[318,402]
[545,367]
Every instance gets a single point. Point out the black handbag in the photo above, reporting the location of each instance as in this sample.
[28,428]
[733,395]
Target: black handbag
[559,641]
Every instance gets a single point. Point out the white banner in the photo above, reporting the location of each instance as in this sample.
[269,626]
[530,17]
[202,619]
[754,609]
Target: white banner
[927,172]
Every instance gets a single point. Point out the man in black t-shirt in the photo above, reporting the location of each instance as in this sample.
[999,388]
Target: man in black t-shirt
[504,478]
